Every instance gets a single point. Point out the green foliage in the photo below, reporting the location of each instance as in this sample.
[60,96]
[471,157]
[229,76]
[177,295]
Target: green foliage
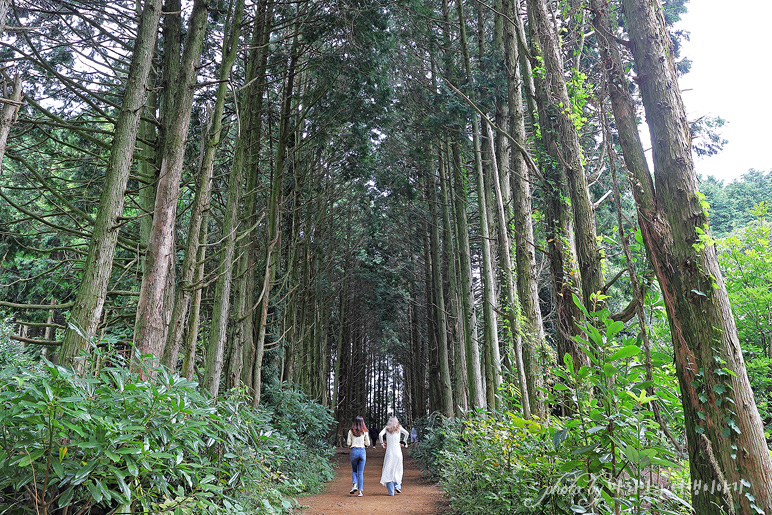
[432,432]
[12,352]
[608,455]
[706,136]
[615,442]
[579,91]
[111,439]
[493,463]
[304,459]
[745,259]
[732,204]
[499,464]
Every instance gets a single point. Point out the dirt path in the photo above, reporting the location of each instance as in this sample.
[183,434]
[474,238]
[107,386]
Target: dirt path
[419,495]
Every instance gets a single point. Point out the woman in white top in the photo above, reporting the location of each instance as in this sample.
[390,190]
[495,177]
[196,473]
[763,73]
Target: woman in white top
[358,440]
[391,476]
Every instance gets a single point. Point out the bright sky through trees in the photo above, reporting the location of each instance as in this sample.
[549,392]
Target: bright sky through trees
[730,78]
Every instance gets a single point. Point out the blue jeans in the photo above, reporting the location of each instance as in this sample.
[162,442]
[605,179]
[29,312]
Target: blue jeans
[358,458]
[390,487]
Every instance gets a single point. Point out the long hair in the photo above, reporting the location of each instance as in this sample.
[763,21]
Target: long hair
[358,428]
[392,426]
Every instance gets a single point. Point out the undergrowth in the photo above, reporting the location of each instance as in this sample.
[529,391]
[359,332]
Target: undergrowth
[106,441]
[607,456]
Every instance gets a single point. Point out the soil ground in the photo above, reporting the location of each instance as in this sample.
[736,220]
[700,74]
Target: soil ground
[419,495]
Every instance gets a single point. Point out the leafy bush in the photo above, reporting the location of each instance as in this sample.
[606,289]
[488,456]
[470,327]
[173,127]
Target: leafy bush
[432,431]
[608,456]
[619,457]
[292,412]
[112,442]
[298,454]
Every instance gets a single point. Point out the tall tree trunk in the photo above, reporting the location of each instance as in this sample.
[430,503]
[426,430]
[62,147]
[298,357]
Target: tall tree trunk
[485,213]
[533,339]
[344,382]
[445,391]
[565,148]
[565,281]
[152,306]
[222,294]
[639,296]
[460,384]
[11,106]
[89,303]
[195,252]
[459,201]
[511,310]
[490,335]
[246,315]
[147,171]
[194,318]
[342,319]
[724,431]
[200,213]
[432,330]
[4,4]
[273,248]
[244,324]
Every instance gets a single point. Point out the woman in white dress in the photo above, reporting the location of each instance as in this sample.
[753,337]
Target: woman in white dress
[391,476]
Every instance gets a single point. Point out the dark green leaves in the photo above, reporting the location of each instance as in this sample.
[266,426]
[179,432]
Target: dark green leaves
[110,438]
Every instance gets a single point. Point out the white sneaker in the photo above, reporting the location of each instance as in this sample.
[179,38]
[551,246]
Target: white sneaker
[353,490]
[360,494]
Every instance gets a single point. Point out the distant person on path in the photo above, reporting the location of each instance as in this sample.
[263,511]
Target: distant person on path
[358,440]
[373,436]
[413,436]
[391,476]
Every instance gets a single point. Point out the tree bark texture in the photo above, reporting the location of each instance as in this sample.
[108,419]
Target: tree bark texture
[460,386]
[565,149]
[490,336]
[152,324]
[566,280]
[460,203]
[10,109]
[200,211]
[89,303]
[511,310]
[147,172]
[533,339]
[274,210]
[445,391]
[244,324]
[724,431]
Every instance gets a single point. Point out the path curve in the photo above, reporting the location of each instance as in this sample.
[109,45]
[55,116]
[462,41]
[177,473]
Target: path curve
[419,495]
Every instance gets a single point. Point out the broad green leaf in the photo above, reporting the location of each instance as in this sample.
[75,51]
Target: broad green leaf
[559,437]
[625,352]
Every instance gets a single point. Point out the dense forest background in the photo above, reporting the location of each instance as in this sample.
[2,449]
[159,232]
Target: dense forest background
[260,219]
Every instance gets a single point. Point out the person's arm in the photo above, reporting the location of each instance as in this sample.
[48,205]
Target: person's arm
[349,437]
[367,439]
[380,435]
[402,431]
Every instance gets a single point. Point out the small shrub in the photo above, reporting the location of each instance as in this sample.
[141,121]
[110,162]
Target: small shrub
[607,456]
[108,441]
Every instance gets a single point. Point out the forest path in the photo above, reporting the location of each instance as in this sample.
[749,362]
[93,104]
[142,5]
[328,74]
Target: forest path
[419,495]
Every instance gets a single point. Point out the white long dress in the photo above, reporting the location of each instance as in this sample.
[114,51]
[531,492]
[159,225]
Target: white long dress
[392,462]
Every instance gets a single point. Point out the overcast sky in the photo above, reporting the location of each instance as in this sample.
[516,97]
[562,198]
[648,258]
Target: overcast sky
[731,78]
